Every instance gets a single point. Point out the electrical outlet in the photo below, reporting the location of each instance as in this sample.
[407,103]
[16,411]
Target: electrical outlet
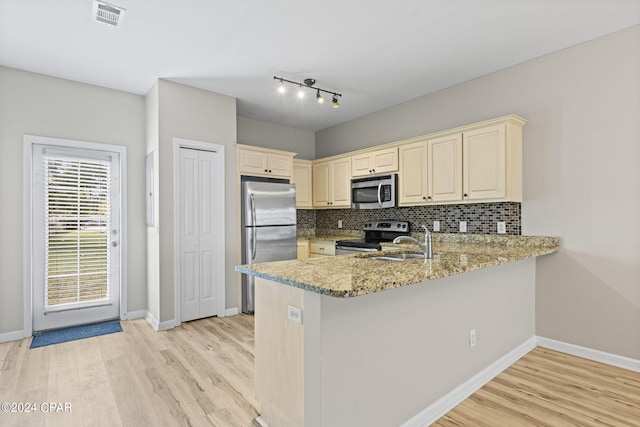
[339,223]
[294,314]
[436,225]
[463,226]
[472,338]
[502,227]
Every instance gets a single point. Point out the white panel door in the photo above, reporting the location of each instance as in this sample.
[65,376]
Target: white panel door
[200,198]
[76,236]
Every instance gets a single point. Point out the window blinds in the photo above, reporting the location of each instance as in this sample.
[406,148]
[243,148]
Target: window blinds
[77,223]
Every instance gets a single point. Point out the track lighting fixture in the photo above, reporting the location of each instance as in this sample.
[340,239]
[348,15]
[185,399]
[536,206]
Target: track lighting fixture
[308,83]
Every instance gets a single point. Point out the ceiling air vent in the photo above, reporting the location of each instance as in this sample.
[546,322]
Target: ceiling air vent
[106,13]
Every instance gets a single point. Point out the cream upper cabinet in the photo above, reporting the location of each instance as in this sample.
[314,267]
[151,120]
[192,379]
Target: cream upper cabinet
[258,161]
[444,168]
[493,163]
[375,162]
[413,176]
[481,164]
[430,171]
[332,183]
[302,180]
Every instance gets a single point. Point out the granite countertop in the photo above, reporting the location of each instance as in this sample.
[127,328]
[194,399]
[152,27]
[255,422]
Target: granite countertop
[354,275]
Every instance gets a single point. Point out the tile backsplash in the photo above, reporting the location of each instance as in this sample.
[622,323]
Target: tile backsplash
[481,218]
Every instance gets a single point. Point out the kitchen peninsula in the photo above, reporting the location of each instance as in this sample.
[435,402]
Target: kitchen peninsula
[380,343]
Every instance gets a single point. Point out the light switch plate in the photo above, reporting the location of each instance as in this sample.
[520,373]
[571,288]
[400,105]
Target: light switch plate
[502,227]
[463,226]
[339,223]
[436,225]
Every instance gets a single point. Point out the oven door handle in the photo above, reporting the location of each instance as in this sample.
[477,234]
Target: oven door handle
[379,191]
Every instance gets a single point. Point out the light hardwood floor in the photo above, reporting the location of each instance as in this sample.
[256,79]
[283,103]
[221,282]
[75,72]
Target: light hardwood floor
[201,374]
[548,388]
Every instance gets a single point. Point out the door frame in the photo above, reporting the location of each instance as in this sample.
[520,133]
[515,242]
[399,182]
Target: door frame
[220,291]
[27,216]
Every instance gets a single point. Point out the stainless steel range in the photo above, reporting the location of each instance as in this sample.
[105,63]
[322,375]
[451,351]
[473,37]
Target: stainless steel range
[374,233]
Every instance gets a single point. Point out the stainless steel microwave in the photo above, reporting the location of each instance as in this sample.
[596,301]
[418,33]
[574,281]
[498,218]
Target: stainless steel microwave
[374,192]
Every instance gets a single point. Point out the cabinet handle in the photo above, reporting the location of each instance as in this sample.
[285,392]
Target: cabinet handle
[465,195]
[266,170]
[429,197]
[374,171]
[424,198]
[269,170]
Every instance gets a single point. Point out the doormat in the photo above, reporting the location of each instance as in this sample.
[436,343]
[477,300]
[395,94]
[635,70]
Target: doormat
[76,333]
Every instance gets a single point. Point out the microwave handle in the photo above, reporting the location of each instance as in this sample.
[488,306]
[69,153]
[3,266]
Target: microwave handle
[379,191]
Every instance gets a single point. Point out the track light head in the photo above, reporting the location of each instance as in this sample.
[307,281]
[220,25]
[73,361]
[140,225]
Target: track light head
[300,92]
[334,101]
[319,97]
[281,88]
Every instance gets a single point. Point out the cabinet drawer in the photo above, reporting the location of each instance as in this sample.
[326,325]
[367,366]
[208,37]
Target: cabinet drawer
[323,248]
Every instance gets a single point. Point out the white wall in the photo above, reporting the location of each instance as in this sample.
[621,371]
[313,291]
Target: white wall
[195,114]
[40,105]
[271,135]
[581,176]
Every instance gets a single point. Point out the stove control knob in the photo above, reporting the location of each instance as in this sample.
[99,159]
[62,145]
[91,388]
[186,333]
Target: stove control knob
[404,225]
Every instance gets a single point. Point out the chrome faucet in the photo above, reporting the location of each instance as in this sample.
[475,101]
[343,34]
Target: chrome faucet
[424,247]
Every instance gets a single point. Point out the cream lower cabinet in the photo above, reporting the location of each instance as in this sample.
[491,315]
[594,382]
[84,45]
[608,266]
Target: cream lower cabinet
[302,172]
[332,183]
[431,171]
[492,163]
[303,249]
[375,162]
[319,248]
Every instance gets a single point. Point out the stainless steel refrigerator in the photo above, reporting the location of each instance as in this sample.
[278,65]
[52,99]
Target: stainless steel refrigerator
[268,229]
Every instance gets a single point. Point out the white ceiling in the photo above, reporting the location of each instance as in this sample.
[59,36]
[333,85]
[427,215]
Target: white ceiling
[376,53]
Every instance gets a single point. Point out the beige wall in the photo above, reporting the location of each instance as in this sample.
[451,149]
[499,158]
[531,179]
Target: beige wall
[271,135]
[195,114]
[581,176]
[40,105]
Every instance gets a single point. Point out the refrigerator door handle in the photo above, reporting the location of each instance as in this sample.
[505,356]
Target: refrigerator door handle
[253,229]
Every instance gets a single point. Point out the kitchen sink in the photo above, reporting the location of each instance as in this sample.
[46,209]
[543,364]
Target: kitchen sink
[399,257]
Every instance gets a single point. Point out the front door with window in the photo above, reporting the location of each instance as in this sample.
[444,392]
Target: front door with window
[76,236]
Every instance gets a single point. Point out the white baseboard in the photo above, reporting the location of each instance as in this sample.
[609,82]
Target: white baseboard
[12,336]
[447,402]
[139,314]
[160,326]
[591,354]
[231,311]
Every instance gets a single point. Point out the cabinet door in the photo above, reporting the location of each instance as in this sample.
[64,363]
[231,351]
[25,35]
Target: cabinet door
[385,161]
[362,164]
[340,181]
[484,165]
[445,168]
[302,180]
[303,249]
[321,185]
[252,162]
[279,165]
[412,177]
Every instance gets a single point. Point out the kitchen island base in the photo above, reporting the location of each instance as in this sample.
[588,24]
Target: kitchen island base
[382,358]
